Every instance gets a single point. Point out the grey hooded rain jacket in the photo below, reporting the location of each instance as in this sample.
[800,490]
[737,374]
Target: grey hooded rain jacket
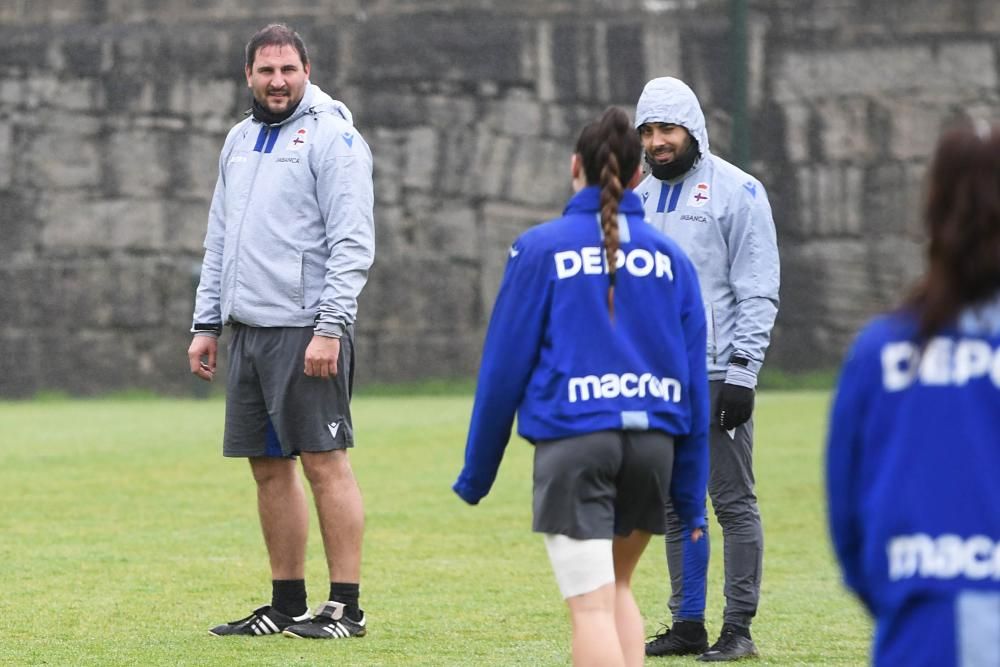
[720,217]
[290,231]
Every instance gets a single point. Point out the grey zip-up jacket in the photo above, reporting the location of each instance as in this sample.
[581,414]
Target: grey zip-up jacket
[290,230]
[720,217]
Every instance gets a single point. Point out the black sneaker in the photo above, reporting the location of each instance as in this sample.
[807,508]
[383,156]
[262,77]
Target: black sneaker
[329,622]
[263,621]
[685,638]
[732,645]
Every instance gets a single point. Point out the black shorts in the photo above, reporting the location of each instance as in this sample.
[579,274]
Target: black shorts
[602,484]
[272,407]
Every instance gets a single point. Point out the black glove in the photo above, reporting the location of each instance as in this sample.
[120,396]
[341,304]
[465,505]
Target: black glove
[735,405]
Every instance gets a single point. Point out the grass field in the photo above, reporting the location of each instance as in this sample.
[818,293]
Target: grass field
[124,536]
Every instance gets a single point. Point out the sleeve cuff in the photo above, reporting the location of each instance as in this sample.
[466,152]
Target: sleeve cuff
[206,329]
[741,375]
[466,494]
[329,329]
[700,522]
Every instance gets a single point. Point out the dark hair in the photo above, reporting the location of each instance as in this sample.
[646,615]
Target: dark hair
[962,219]
[276,34]
[610,151]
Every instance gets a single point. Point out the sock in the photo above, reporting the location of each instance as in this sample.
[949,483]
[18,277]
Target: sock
[289,596]
[690,630]
[348,595]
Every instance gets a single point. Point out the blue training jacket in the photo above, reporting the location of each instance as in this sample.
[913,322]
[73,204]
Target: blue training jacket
[553,354]
[913,480]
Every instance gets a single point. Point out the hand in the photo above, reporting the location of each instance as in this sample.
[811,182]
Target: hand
[735,405]
[201,356]
[696,534]
[321,357]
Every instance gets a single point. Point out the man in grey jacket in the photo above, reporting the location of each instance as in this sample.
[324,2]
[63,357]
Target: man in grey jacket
[721,218]
[289,244]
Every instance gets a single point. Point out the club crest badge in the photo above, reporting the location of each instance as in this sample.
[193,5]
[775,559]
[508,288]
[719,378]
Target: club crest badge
[298,140]
[699,196]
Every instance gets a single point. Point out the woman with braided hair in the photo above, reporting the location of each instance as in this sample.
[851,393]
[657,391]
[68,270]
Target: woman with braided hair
[612,392]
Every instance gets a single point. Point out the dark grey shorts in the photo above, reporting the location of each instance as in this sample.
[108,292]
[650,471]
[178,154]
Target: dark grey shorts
[602,484]
[272,407]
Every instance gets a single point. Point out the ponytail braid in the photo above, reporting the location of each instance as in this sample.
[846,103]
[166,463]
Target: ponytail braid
[610,151]
[611,195]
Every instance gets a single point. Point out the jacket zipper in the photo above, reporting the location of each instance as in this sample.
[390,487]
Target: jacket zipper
[246,209]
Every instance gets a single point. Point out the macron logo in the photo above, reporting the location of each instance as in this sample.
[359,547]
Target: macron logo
[514,252]
[948,556]
[334,427]
[629,385]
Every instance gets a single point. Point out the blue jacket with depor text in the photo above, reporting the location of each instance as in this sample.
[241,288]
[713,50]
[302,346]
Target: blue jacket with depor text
[554,355]
[913,482]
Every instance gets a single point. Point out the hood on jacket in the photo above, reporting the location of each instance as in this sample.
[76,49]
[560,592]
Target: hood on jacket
[981,319]
[670,100]
[314,100]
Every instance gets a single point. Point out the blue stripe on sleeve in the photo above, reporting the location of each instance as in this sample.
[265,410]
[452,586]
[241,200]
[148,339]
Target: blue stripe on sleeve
[662,204]
[675,196]
[260,139]
[271,140]
[694,577]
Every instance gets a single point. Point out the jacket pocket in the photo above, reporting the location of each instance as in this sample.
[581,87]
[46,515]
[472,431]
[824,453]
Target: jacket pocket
[287,276]
[712,342]
[302,281]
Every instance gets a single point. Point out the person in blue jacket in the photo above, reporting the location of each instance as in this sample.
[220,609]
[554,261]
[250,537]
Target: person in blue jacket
[597,342]
[913,453]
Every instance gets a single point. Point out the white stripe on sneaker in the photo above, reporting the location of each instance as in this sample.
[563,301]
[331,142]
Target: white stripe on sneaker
[271,627]
[338,630]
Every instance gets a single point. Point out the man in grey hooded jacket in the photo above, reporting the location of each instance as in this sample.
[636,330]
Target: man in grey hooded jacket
[721,218]
[289,244]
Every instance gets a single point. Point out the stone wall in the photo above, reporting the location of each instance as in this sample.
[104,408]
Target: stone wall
[858,93]
[117,109]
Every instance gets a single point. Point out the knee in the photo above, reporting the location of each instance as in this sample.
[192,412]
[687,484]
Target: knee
[729,516]
[734,506]
[269,472]
[596,604]
[326,467]
[741,519]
